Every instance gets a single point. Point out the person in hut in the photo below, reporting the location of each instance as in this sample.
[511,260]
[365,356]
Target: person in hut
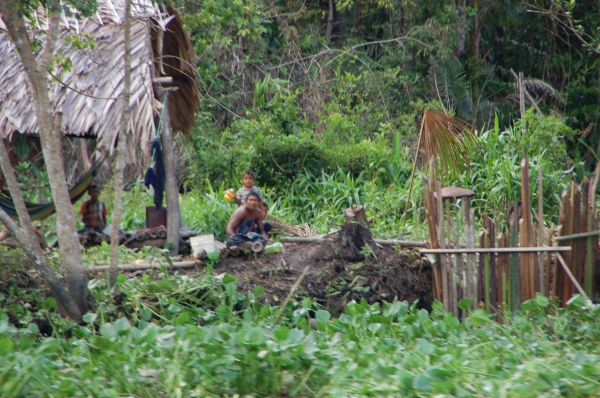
[93,212]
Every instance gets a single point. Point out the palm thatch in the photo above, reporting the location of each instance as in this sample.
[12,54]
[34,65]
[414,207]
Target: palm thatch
[89,92]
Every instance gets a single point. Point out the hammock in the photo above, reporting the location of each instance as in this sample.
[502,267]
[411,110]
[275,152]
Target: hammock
[39,211]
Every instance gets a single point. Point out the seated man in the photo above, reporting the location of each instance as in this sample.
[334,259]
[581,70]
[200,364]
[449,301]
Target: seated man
[245,216]
[250,225]
[93,212]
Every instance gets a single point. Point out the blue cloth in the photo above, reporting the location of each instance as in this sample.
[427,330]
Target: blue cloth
[159,172]
[87,229]
[150,178]
[244,227]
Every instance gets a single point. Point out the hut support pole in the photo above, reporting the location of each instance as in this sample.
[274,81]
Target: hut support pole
[171,189]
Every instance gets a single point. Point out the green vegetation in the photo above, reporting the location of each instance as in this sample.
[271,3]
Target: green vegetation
[198,337]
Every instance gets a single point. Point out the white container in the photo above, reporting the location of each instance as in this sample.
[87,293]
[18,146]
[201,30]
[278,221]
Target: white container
[202,242]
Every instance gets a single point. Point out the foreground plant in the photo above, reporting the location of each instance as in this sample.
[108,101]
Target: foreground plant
[198,337]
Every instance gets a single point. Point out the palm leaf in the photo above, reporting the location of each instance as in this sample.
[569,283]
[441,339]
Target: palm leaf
[446,138]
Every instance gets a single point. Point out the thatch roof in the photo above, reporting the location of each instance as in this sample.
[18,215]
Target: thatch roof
[89,93]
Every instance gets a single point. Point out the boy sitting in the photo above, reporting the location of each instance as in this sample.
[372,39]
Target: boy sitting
[93,212]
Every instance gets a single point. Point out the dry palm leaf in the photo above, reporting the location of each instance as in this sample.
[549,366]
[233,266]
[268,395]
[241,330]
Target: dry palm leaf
[446,138]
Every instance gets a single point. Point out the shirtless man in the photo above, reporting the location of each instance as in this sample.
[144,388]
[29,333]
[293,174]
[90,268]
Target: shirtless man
[249,211]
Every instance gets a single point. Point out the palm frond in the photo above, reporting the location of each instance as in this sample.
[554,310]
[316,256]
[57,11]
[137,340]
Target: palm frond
[447,138]
[448,79]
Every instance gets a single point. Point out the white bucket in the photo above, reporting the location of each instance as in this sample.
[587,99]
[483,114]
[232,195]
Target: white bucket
[202,242]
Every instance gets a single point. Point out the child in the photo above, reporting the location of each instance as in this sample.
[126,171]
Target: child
[247,186]
[93,212]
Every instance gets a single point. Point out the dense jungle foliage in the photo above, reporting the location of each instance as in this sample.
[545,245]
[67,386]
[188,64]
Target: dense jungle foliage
[311,99]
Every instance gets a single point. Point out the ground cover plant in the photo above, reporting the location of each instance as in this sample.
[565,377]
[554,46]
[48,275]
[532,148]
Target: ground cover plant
[198,336]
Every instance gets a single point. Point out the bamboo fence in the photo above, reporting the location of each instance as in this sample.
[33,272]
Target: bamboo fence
[513,263]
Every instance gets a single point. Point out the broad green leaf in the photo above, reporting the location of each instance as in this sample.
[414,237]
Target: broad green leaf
[258,291]
[121,279]
[122,325]
[426,346]
[322,316]
[422,383]
[90,317]
[6,346]
[49,303]
[464,304]
[108,331]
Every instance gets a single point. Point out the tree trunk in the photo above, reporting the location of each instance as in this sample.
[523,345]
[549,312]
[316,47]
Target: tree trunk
[49,125]
[462,34]
[476,31]
[29,241]
[329,28]
[121,152]
[171,189]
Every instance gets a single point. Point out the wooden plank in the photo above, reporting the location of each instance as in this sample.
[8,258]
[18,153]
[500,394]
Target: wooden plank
[498,250]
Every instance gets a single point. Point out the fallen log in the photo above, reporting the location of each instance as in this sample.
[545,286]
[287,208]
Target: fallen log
[144,266]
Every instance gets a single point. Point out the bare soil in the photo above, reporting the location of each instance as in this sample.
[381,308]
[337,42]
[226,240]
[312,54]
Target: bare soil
[337,273]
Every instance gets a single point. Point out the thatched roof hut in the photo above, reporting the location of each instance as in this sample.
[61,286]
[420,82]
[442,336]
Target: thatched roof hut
[88,93]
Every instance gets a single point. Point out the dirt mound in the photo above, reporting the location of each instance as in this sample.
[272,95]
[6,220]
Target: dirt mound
[338,273]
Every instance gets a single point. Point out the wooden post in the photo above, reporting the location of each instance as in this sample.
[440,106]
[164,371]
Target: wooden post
[527,264]
[171,188]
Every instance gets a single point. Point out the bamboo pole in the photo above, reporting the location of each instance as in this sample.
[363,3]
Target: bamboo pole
[527,264]
[498,250]
[513,273]
[442,240]
[541,232]
[471,283]
[572,277]
[431,225]
[550,271]
[590,261]
[412,173]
